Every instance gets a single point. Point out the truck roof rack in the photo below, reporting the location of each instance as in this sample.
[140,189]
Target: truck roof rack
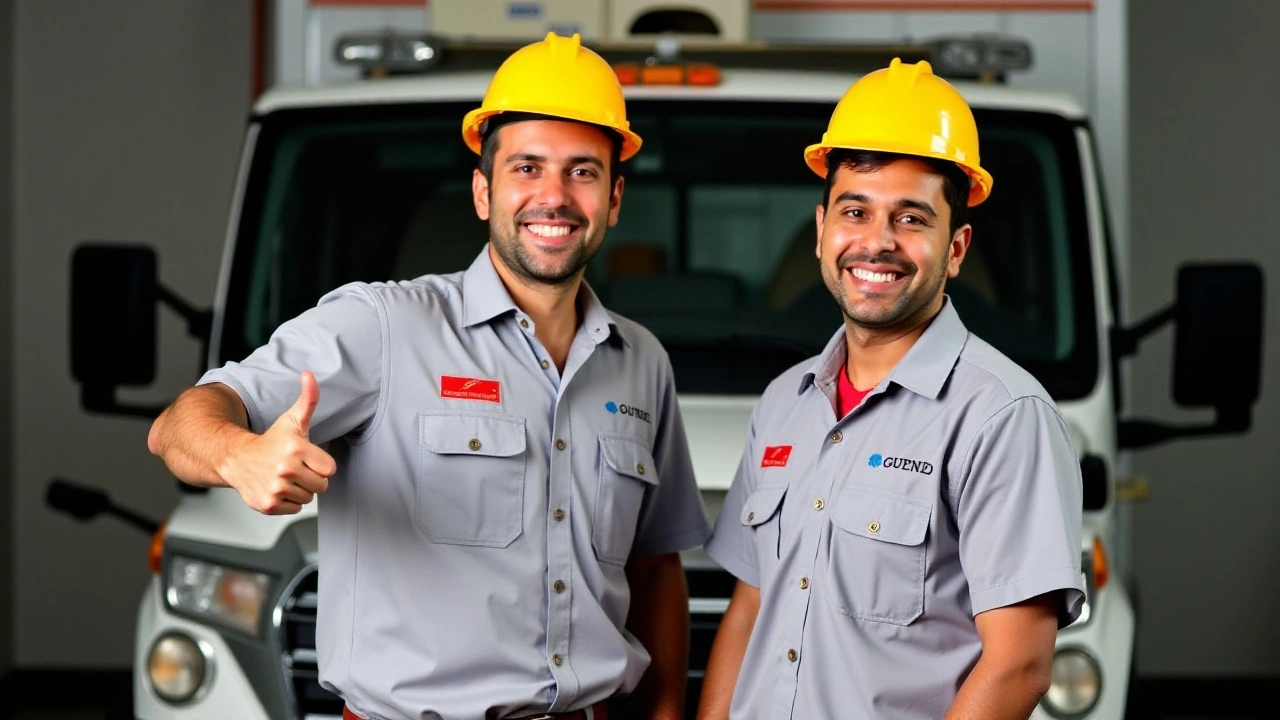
[985,57]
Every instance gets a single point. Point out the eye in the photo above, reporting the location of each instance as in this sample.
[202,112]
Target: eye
[584,172]
[524,169]
[854,212]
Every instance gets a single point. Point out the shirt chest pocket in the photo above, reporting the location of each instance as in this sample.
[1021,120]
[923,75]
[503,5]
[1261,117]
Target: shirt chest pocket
[626,470]
[762,512]
[878,550]
[470,484]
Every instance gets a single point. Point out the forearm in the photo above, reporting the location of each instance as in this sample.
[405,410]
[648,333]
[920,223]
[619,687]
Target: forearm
[659,618]
[1000,691]
[1014,670]
[727,652]
[196,434]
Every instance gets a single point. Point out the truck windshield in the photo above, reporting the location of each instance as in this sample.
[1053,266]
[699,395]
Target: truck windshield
[714,249]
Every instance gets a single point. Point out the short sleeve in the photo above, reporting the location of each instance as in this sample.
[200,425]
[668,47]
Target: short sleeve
[341,340]
[732,544]
[1019,503]
[672,518]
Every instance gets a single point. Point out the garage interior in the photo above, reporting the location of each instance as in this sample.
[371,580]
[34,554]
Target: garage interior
[123,121]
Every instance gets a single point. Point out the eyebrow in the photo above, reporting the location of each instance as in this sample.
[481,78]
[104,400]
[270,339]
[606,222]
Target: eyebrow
[575,160]
[905,203]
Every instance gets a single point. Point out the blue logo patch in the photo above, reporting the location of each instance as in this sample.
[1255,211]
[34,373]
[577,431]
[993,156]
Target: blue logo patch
[901,463]
[625,409]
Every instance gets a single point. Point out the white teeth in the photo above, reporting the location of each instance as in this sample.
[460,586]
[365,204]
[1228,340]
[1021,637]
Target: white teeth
[549,230]
[882,277]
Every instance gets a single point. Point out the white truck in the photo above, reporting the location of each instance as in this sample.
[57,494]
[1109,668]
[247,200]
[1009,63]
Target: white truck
[713,252]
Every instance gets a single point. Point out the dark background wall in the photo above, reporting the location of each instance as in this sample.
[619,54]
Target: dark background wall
[127,120]
[6,336]
[1204,151]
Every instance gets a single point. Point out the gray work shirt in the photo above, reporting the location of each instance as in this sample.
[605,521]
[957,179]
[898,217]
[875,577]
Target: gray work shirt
[474,538]
[876,538]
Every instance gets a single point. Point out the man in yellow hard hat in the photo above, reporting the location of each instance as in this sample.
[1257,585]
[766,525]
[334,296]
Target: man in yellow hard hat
[497,539]
[905,520]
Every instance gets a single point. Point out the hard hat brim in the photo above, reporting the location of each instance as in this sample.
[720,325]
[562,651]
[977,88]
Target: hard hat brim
[474,121]
[815,156]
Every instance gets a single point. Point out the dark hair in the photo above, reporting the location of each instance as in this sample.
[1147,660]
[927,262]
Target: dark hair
[955,183]
[489,142]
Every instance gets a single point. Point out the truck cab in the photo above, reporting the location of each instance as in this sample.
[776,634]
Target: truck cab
[713,252]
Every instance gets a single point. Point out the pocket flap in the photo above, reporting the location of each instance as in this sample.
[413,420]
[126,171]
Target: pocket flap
[627,456]
[481,434]
[882,515]
[762,504]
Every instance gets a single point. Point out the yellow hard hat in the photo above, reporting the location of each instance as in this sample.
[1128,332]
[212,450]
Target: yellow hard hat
[905,109]
[559,78]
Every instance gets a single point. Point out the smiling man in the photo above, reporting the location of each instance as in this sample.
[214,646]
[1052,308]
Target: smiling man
[905,520]
[497,540]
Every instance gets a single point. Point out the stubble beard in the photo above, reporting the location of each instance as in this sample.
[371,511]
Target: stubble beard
[520,260]
[902,309]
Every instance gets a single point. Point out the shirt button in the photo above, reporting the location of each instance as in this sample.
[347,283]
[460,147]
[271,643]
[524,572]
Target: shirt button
[836,437]
[555,659]
[558,515]
[751,516]
[545,364]
[804,583]
[559,444]
[874,527]
[818,504]
[525,324]
[474,444]
[791,655]
[559,586]
[640,468]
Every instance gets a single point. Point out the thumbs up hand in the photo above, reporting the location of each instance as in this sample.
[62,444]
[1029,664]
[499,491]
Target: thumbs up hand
[279,471]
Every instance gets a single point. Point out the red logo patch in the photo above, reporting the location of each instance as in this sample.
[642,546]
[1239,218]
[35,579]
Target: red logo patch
[776,456]
[465,388]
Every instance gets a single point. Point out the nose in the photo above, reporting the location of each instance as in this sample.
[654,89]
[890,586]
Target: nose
[553,191]
[877,236]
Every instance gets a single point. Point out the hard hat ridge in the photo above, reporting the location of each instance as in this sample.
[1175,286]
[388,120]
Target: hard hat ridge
[905,109]
[556,77]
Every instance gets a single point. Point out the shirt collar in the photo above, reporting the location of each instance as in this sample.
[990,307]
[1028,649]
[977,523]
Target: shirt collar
[484,298]
[923,370]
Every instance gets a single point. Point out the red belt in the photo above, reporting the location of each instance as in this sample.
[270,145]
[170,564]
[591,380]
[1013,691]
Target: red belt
[600,711]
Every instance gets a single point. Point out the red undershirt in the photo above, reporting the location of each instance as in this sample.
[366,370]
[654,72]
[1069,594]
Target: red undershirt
[848,396]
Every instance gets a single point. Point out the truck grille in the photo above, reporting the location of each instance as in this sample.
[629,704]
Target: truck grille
[709,591]
[298,643]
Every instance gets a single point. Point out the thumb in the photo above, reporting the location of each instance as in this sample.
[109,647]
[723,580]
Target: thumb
[306,403]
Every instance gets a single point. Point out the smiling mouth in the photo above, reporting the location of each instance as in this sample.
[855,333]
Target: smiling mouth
[549,231]
[875,277]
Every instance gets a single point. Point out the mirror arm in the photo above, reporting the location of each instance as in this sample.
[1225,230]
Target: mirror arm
[1134,434]
[102,398]
[199,322]
[1124,341]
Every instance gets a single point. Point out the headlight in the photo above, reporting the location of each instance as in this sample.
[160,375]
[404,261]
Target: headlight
[1075,686]
[217,593]
[176,667]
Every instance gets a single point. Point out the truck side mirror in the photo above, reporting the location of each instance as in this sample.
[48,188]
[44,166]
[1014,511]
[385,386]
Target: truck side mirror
[113,316]
[114,291]
[1217,355]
